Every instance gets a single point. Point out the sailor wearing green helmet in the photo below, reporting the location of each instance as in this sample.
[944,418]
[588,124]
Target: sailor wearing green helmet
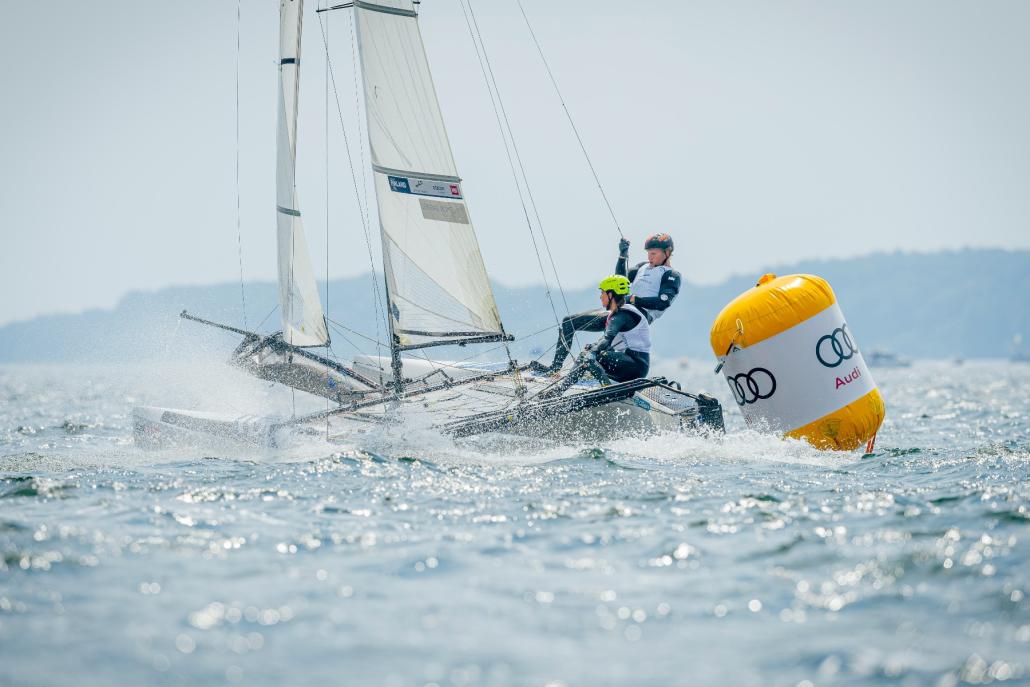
[624,351]
[654,286]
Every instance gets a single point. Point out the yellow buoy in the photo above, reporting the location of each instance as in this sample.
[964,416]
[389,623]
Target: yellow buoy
[793,365]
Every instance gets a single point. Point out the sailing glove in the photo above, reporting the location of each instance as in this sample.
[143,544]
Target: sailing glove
[624,248]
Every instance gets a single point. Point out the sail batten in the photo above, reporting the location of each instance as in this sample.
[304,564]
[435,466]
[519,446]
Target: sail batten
[436,280]
[397,8]
[303,320]
[410,173]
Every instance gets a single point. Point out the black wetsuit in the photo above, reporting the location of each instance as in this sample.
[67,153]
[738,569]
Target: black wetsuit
[594,320]
[627,364]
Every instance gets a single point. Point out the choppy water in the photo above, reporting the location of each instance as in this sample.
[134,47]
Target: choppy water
[415,561]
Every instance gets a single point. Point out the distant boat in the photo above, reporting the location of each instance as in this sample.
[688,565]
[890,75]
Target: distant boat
[882,358]
[1018,353]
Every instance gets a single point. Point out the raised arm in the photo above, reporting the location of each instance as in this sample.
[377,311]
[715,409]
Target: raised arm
[620,264]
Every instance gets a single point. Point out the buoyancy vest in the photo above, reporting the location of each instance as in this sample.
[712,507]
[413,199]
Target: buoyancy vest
[636,339]
[648,283]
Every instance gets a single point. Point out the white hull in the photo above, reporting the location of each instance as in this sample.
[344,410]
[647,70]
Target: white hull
[643,413]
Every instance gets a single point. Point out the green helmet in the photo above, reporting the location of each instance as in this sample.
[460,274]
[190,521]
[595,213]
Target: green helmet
[616,283]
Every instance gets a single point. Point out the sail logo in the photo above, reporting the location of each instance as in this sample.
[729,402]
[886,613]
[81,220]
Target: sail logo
[400,185]
[848,378]
[424,187]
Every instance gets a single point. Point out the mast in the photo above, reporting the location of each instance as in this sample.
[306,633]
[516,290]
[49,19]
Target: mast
[438,291]
[396,366]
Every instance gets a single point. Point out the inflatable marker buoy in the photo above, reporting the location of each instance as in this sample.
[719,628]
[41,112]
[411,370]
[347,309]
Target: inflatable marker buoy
[793,365]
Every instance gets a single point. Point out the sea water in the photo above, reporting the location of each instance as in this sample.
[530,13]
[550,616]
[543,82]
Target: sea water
[409,559]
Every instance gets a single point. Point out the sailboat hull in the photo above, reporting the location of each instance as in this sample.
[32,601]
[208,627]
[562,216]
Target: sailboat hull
[591,413]
[168,428]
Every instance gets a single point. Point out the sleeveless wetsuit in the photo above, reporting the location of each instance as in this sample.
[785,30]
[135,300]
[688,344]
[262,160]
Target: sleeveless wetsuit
[624,352]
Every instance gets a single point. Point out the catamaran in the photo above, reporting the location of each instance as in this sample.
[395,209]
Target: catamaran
[437,290]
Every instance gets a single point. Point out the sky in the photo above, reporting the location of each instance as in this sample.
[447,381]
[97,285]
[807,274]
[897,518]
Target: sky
[755,133]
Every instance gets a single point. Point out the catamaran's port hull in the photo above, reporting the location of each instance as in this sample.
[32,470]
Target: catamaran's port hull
[464,402]
[163,428]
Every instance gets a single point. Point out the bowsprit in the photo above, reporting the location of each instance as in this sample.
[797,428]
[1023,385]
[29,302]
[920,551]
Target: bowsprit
[836,347]
[751,386]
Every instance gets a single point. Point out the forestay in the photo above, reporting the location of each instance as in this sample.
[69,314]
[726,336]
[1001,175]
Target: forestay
[437,283]
[302,317]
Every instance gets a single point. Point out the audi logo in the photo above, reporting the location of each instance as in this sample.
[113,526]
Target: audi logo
[749,387]
[835,347]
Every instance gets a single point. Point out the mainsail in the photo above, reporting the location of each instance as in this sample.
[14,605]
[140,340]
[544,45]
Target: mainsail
[302,317]
[437,284]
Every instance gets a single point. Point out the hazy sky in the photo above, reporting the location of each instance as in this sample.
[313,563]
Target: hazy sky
[756,133]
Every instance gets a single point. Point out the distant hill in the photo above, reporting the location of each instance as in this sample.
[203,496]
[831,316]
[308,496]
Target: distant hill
[966,303]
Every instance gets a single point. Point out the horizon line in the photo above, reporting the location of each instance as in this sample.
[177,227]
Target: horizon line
[499,282]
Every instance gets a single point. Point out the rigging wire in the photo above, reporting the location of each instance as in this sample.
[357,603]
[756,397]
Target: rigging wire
[518,160]
[287,321]
[357,108]
[487,77]
[382,302]
[328,346]
[454,363]
[525,178]
[265,319]
[363,209]
[341,329]
[239,230]
[565,107]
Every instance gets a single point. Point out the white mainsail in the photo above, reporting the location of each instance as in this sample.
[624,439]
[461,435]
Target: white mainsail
[435,276]
[302,316]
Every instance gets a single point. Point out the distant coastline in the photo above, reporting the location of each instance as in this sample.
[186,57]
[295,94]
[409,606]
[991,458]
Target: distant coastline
[967,303]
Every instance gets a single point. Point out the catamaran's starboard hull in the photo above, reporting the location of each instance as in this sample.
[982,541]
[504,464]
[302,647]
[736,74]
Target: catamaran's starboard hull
[166,428]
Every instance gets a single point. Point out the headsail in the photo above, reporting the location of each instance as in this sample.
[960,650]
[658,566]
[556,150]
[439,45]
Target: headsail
[302,317]
[437,283]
